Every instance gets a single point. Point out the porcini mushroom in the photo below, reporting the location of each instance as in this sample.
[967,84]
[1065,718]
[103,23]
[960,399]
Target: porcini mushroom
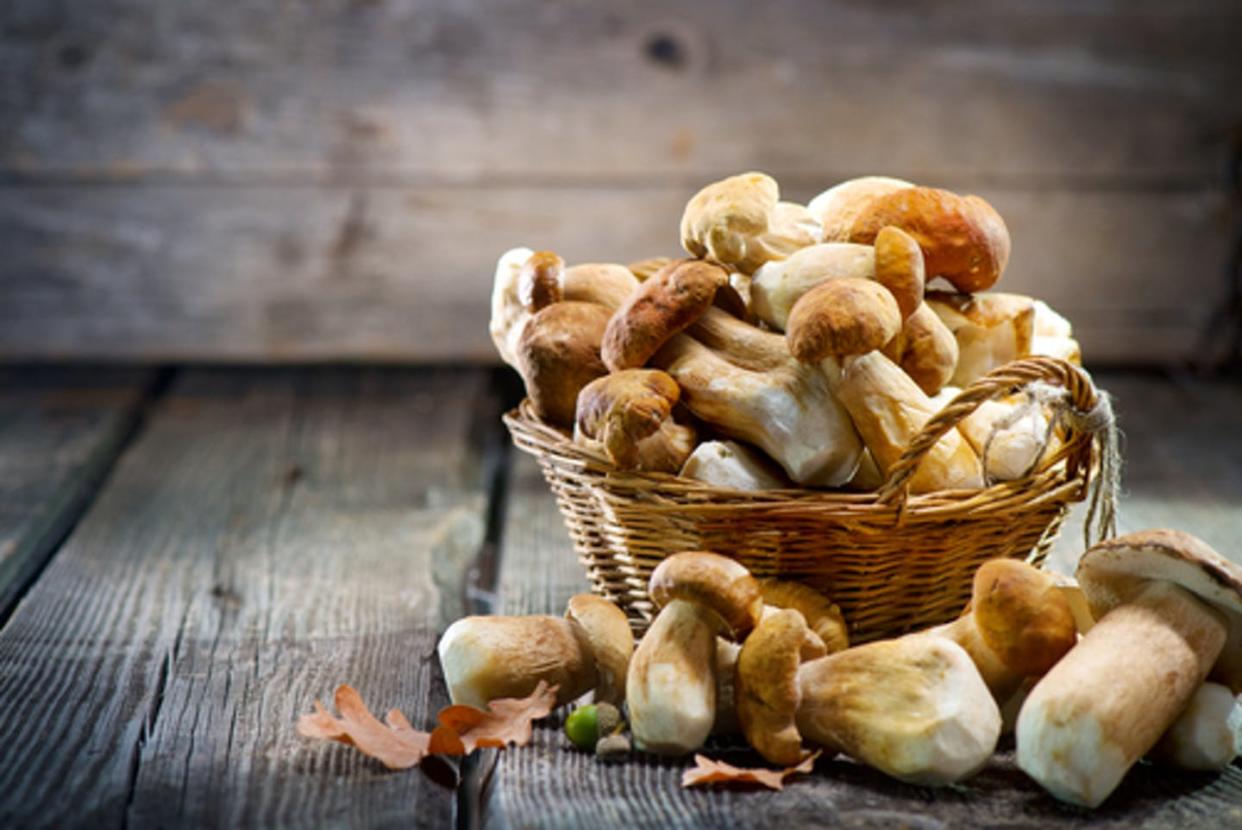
[490,657]
[1207,733]
[838,206]
[628,415]
[558,353]
[1162,600]
[733,465]
[914,708]
[925,349]
[664,305]
[1017,625]
[671,686]
[821,614]
[963,238]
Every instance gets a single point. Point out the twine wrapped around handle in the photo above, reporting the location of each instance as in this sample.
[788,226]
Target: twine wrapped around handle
[1075,403]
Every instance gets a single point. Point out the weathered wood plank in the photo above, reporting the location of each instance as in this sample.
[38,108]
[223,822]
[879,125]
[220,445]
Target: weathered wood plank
[471,91]
[270,535]
[404,273]
[552,785]
[60,431]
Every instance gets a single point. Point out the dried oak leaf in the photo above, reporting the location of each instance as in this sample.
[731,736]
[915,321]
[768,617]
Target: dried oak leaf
[707,771]
[508,720]
[398,745]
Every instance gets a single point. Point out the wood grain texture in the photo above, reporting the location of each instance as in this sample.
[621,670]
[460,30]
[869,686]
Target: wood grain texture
[270,535]
[545,90]
[553,785]
[404,273]
[60,431]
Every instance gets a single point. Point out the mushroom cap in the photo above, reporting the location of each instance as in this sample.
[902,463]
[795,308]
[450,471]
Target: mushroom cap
[558,354]
[821,614]
[963,238]
[612,642]
[712,581]
[663,306]
[722,219]
[842,317]
[926,349]
[1022,616]
[899,267]
[1115,571]
[767,692]
[838,206]
[777,285]
[539,281]
[621,409]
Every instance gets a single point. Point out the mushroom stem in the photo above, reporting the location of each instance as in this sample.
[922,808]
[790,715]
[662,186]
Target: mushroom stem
[1204,736]
[671,687]
[1001,681]
[1110,699]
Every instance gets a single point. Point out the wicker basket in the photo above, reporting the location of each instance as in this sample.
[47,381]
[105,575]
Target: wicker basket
[892,561]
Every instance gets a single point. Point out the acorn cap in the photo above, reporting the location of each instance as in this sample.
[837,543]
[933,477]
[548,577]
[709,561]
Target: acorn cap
[767,689]
[849,316]
[821,614]
[612,642]
[664,305]
[712,581]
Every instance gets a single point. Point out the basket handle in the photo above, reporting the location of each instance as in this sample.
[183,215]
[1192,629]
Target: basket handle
[1082,408]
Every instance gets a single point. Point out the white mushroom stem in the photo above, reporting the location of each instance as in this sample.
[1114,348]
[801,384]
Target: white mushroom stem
[788,412]
[727,653]
[730,464]
[889,410]
[1109,700]
[671,686]
[1001,681]
[1206,734]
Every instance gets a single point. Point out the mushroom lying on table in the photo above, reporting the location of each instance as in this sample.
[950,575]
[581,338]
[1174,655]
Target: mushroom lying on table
[485,658]
[1162,600]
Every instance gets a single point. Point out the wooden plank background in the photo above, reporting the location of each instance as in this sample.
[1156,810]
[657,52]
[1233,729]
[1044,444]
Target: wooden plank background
[334,180]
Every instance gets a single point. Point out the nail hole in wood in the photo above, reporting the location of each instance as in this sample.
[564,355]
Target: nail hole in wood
[665,50]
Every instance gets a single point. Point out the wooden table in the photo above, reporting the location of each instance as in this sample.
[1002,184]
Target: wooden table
[189,557]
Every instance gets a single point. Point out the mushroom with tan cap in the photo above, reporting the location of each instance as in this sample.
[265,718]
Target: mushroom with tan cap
[964,239]
[1162,600]
[485,658]
[668,302]
[838,206]
[628,415]
[741,223]
[925,349]
[1018,625]
[914,708]
[671,686]
[558,353]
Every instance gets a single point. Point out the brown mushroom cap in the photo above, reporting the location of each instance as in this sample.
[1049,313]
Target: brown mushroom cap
[612,642]
[539,282]
[558,354]
[926,349]
[712,581]
[821,614]
[621,409]
[963,239]
[899,268]
[1022,616]
[842,317]
[767,690]
[663,306]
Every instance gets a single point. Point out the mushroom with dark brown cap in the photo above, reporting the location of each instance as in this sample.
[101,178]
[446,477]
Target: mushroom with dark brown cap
[628,415]
[558,354]
[485,658]
[963,238]
[914,708]
[671,686]
[664,305]
[1018,625]
[1162,600]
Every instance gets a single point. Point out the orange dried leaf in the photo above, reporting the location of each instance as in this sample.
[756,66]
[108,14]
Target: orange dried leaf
[507,721]
[396,745]
[707,771]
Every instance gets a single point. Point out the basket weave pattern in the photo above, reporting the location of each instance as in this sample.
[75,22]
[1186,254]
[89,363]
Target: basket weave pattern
[892,561]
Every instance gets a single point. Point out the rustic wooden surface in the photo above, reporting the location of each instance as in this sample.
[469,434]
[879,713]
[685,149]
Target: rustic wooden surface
[60,432]
[335,180]
[269,535]
[1184,442]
